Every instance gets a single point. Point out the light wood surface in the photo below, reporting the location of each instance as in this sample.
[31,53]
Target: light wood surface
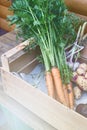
[43,106]
[6,3]
[24,115]
[7,42]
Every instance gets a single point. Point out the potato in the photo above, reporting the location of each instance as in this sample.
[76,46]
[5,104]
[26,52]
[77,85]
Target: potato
[83,66]
[80,71]
[82,82]
[82,109]
[86,75]
[77,92]
[75,74]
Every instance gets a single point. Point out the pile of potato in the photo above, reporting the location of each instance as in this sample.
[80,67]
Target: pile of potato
[80,78]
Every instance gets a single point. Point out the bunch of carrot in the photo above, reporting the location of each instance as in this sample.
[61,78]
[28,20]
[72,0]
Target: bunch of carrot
[49,23]
[58,74]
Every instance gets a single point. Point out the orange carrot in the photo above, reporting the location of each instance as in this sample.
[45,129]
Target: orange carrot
[58,85]
[50,84]
[71,95]
[66,94]
[56,95]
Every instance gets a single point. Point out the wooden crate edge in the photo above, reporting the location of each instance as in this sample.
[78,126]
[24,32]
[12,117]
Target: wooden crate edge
[46,108]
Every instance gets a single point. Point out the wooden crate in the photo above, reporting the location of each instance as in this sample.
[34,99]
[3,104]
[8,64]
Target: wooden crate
[41,105]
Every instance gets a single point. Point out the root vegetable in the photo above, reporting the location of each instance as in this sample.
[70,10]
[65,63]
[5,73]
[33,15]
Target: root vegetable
[75,75]
[82,82]
[58,85]
[77,92]
[65,89]
[82,109]
[50,84]
[81,71]
[83,66]
[86,75]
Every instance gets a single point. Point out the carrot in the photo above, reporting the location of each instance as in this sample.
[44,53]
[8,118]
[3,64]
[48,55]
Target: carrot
[71,95]
[58,85]
[65,89]
[56,96]
[50,84]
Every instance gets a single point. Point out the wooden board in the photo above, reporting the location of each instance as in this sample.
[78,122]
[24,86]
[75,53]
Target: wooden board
[7,42]
[4,12]
[4,24]
[24,115]
[6,3]
[41,105]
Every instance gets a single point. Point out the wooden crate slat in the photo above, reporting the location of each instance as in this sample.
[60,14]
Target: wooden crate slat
[6,3]
[23,114]
[16,49]
[17,58]
[46,108]
[4,24]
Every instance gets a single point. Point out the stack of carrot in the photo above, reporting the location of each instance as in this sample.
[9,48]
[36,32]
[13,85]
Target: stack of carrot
[58,80]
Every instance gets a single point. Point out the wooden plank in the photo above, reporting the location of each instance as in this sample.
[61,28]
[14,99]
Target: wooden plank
[17,49]
[43,106]
[10,39]
[23,114]
[81,16]
[28,67]
[6,63]
[7,42]
[4,12]
[13,55]
[77,6]
[20,61]
[25,67]
[6,3]
[4,24]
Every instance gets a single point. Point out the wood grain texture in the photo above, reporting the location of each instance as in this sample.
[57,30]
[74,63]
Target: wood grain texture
[43,106]
[26,116]
[6,3]
[77,6]
[4,24]
[7,42]
[4,12]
